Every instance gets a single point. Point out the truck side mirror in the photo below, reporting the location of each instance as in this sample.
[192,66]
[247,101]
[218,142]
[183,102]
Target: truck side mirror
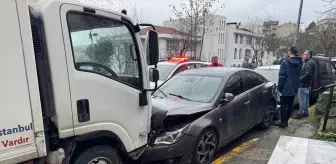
[153,75]
[153,47]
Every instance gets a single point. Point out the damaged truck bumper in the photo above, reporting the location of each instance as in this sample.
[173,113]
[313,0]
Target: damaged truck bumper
[177,153]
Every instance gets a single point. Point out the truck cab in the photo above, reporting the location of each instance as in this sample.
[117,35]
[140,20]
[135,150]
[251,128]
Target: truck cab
[76,79]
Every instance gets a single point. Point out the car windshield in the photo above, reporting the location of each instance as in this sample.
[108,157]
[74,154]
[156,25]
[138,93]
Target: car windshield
[190,87]
[165,70]
[270,74]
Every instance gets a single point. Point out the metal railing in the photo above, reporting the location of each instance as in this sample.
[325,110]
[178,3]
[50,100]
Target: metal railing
[330,102]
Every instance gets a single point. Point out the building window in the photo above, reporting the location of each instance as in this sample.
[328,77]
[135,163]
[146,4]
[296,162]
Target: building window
[220,22]
[240,53]
[236,38]
[249,40]
[223,25]
[248,53]
[241,39]
[218,52]
[235,53]
[172,45]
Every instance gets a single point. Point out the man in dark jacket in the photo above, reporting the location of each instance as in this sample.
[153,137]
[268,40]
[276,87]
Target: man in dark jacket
[276,61]
[306,80]
[288,84]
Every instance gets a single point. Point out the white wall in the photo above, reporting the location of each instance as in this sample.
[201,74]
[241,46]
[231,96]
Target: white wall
[214,40]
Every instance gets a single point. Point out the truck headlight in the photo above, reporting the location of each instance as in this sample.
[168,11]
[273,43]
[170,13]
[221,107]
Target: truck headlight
[169,138]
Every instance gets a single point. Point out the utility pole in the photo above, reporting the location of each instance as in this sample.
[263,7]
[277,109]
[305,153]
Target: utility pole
[298,23]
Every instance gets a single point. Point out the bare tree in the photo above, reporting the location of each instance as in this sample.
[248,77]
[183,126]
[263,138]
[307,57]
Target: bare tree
[255,39]
[326,29]
[193,17]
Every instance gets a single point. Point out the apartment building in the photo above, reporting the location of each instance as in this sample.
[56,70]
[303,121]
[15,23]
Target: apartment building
[270,27]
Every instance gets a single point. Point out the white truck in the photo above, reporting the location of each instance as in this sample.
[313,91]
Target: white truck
[74,84]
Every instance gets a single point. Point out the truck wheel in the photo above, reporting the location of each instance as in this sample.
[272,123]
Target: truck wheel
[99,155]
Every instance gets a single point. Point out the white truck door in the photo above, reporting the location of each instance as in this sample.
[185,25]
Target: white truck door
[106,75]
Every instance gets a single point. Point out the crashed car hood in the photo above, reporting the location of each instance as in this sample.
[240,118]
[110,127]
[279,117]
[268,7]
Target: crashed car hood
[176,106]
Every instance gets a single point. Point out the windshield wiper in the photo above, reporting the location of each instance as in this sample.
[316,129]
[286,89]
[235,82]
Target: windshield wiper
[180,96]
[165,95]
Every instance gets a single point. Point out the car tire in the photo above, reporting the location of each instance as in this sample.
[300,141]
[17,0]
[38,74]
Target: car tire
[268,116]
[277,114]
[98,154]
[205,147]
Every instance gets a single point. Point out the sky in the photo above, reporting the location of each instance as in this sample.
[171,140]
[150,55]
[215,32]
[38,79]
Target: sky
[157,11]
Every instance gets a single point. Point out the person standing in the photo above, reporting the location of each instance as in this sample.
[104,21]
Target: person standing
[245,63]
[214,62]
[276,61]
[306,80]
[288,84]
[253,65]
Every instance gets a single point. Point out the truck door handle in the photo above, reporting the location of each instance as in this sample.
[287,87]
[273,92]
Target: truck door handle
[83,110]
[247,103]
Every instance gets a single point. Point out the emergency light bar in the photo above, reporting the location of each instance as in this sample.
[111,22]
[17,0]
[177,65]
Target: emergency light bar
[178,59]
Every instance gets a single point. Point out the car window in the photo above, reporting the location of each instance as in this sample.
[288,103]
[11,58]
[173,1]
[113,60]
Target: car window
[328,66]
[251,80]
[193,87]
[234,85]
[333,69]
[165,71]
[322,67]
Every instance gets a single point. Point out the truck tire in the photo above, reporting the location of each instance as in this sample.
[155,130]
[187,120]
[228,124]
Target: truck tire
[103,154]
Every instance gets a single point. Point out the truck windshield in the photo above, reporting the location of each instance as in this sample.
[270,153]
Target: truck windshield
[104,46]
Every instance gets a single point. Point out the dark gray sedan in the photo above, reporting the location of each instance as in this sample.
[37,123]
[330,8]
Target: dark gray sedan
[200,110]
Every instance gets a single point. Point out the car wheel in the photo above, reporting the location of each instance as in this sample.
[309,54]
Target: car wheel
[99,155]
[268,116]
[205,147]
[276,114]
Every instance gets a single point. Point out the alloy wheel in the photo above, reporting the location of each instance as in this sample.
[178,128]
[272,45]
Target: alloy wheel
[206,147]
[268,117]
[100,160]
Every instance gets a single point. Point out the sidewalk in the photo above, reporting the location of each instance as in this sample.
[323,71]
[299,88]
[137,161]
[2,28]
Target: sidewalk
[257,146]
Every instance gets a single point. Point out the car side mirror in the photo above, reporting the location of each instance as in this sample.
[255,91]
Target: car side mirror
[153,75]
[227,97]
[153,47]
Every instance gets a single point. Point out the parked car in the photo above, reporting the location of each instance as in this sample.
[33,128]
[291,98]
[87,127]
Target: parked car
[200,110]
[175,65]
[325,74]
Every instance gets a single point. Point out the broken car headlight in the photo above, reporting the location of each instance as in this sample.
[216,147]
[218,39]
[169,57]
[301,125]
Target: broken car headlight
[171,137]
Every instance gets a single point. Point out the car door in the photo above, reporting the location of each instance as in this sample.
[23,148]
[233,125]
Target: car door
[253,85]
[104,71]
[325,72]
[234,113]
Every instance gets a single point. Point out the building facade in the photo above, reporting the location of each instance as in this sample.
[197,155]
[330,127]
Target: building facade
[286,30]
[270,27]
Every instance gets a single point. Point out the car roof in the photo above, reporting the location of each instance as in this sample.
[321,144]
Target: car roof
[213,71]
[269,67]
